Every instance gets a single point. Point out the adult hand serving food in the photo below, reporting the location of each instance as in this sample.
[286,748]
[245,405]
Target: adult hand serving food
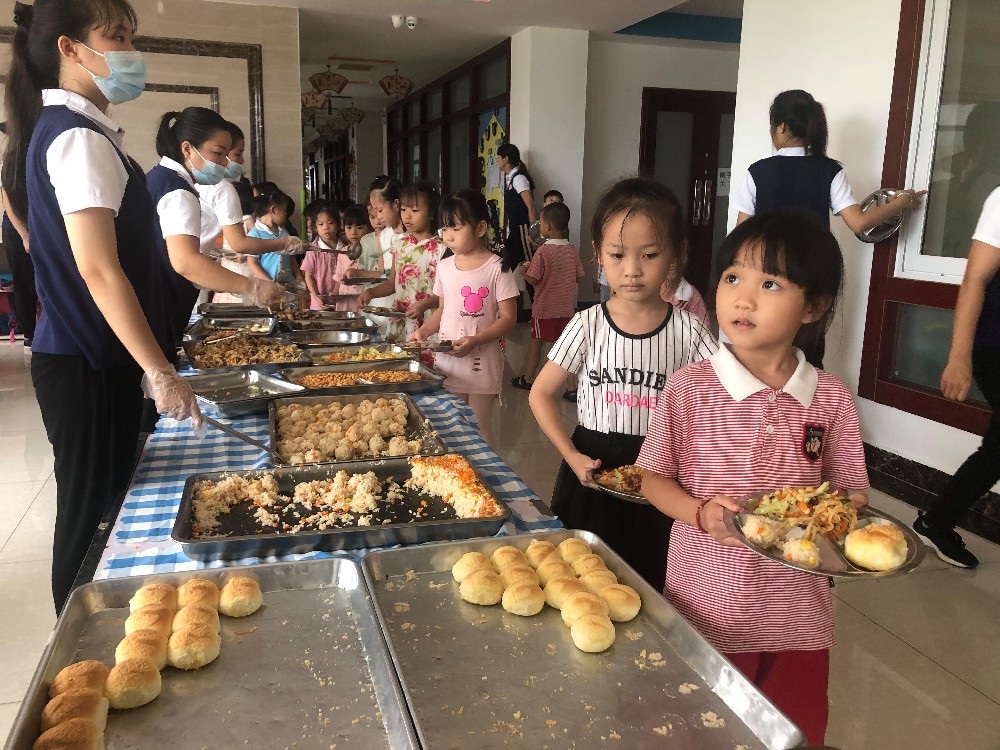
[171,394]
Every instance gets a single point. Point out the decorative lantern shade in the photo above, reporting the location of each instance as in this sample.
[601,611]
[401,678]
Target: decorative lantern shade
[352,115]
[313,100]
[331,130]
[396,85]
[327,82]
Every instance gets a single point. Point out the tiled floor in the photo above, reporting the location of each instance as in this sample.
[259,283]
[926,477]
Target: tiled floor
[918,664]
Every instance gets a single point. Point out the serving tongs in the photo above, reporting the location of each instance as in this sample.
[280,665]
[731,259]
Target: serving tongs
[241,436]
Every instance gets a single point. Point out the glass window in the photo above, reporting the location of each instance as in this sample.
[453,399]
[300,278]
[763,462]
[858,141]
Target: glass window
[434,156]
[415,158]
[435,104]
[493,78]
[459,90]
[458,153]
[922,345]
[413,113]
[399,168]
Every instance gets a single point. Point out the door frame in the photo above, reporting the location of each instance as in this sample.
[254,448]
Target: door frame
[695,98]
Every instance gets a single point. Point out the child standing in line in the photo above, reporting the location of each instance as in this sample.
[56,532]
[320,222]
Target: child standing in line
[537,238]
[320,265]
[555,271]
[355,263]
[477,308]
[757,416]
[623,351]
[271,210]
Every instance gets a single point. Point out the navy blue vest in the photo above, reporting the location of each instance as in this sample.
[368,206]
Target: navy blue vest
[70,322]
[794,182]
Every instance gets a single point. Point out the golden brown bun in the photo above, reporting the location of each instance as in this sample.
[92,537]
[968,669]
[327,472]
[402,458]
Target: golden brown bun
[558,590]
[193,647]
[143,644]
[573,548]
[84,675]
[154,593]
[553,568]
[507,556]
[598,579]
[524,599]
[877,546]
[537,551]
[240,597]
[196,613]
[580,604]
[470,562]
[132,683]
[518,574]
[154,617]
[481,587]
[623,601]
[593,633]
[75,734]
[76,704]
[198,591]
[588,563]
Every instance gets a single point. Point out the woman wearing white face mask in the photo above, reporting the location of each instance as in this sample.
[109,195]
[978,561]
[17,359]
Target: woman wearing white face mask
[102,330]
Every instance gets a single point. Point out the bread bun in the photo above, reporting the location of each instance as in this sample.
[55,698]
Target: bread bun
[588,563]
[193,647]
[518,574]
[507,556]
[593,633]
[524,599]
[143,644]
[552,568]
[198,591]
[132,683]
[558,590]
[537,551]
[482,587]
[573,548]
[154,593]
[240,597]
[470,562]
[154,617]
[580,604]
[877,546]
[598,579]
[76,704]
[623,601]
[196,613]
[84,675]
[75,734]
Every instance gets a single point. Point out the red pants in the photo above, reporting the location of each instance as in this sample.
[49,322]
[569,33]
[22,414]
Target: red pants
[796,682]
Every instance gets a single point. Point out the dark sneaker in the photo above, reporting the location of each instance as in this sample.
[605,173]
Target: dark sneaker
[946,542]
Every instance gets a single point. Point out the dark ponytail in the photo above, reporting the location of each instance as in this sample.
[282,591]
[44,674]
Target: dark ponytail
[196,125]
[804,117]
[513,154]
[34,66]
[389,187]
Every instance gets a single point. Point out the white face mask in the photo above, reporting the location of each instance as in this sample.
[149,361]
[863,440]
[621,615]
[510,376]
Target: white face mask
[127,78]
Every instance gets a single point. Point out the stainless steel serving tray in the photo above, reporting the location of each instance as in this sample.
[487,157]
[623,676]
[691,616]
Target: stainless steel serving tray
[327,324]
[269,367]
[395,523]
[317,353]
[232,309]
[481,677]
[212,323]
[308,670]
[236,394]
[417,425]
[331,338]
[321,315]
[431,379]
[887,228]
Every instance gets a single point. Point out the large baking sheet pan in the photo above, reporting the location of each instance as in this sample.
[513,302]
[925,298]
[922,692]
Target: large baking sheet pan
[327,324]
[285,317]
[209,324]
[331,338]
[417,425]
[431,380]
[268,367]
[309,670]
[232,309]
[390,526]
[318,354]
[236,394]
[481,677]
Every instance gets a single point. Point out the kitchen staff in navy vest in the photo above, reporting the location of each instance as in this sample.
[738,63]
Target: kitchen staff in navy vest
[193,147]
[817,183]
[102,330]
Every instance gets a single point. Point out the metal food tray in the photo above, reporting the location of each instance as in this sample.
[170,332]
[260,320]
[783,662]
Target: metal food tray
[832,562]
[479,676]
[431,379]
[327,324]
[332,338]
[265,367]
[308,670]
[236,394]
[212,323]
[392,524]
[417,425]
[323,315]
[232,309]
[317,353]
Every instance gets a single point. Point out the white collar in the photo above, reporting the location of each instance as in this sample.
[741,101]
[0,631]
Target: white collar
[262,227]
[684,290]
[740,383]
[322,245]
[556,242]
[169,163]
[77,103]
[791,151]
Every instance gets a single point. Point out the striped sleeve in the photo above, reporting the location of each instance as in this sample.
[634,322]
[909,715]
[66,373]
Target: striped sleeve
[570,351]
[661,450]
[703,343]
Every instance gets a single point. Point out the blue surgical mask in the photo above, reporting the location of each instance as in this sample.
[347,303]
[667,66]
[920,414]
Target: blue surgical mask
[234,171]
[211,174]
[128,75]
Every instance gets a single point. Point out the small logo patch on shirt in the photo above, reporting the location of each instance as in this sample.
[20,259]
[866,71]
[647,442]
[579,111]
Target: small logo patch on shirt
[812,441]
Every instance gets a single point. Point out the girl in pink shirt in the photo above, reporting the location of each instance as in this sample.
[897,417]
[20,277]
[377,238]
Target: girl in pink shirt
[320,263]
[477,307]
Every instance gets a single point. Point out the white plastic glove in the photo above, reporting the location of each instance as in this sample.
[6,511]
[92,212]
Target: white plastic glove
[171,394]
[265,293]
[294,246]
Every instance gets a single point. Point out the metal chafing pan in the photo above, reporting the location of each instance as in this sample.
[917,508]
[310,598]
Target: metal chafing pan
[232,309]
[318,315]
[308,670]
[394,523]
[417,425]
[265,367]
[479,676]
[236,394]
[318,353]
[327,324]
[431,380]
[212,323]
[332,338]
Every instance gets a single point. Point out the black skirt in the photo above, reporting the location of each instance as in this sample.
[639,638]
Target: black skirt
[639,533]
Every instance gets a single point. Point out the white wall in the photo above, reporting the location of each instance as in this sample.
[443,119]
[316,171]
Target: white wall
[371,150]
[814,42]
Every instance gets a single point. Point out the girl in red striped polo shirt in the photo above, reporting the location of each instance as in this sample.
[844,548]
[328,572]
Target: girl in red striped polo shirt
[756,416]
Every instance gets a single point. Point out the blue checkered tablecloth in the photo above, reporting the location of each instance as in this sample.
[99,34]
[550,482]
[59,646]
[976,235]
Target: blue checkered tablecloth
[140,541]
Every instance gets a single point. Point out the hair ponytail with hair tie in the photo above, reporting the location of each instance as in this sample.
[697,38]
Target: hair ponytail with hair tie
[23,15]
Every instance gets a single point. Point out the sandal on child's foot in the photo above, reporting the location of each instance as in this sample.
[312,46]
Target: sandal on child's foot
[520,382]
[570,395]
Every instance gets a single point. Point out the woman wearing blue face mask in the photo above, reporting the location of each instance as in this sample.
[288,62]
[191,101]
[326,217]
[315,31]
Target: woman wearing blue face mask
[102,335]
[193,147]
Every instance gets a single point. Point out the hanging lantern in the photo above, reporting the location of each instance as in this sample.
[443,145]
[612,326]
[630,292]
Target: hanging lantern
[330,130]
[396,85]
[327,82]
[352,115]
[312,101]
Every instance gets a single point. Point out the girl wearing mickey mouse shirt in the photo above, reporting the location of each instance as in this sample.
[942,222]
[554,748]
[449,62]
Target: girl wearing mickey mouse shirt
[478,307]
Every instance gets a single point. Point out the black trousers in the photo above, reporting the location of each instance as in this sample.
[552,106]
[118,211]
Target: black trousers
[91,419]
[981,470]
[23,271]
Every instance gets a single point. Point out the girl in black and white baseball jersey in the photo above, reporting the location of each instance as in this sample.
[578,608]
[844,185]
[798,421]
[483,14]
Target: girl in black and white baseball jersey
[622,352]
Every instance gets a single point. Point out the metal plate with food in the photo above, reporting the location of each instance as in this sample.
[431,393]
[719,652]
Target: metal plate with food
[817,531]
[309,669]
[332,338]
[333,355]
[444,345]
[300,315]
[388,376]
[624,482]
[232,309]
[483,676]
[236,394]
[353,505]
[887,228]
[332,299]
[212,324]
[328,324]
[242,353]
[385,312]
